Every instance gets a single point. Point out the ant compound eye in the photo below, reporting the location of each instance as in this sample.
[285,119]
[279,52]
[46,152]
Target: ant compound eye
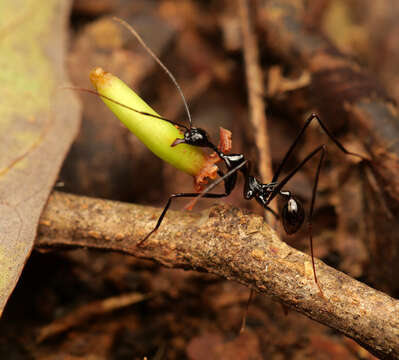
[293,215]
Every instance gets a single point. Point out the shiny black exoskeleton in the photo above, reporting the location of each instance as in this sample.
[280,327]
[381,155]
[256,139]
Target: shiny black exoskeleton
[195,137]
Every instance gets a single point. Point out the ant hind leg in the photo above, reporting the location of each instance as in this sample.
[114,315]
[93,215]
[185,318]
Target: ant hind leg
[321,149]
[312,117]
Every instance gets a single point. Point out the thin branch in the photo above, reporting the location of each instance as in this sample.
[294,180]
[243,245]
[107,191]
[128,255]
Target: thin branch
[85,312]
[234,245]
[257,104]
[257,110]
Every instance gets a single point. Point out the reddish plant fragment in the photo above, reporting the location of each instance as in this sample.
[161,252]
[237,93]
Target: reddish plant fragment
[225,143]
[209,169]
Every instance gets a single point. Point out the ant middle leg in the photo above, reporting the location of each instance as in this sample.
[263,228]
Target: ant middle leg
[310,215]
[268,208]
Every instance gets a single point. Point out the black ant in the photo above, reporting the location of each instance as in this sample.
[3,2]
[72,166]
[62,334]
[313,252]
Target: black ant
[293,214]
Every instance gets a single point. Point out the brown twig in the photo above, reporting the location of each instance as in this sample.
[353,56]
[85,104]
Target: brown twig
[88,311]
[257,106]
[257,109]
[236,246]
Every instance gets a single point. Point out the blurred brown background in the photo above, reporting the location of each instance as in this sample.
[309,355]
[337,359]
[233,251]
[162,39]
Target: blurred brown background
[193,315]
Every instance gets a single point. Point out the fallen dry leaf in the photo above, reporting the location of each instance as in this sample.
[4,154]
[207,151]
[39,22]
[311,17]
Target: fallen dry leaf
[38,122]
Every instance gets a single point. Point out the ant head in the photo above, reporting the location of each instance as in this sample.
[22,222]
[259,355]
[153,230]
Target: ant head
[195,137]
[293,215]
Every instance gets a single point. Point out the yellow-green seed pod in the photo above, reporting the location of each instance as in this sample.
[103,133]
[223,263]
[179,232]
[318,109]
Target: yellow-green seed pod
[156,134]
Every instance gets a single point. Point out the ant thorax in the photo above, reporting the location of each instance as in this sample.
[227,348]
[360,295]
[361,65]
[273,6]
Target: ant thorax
[254,189]
[232,160]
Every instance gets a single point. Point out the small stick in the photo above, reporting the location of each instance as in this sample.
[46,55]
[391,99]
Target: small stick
[257,106]
[257,112]
[86,312]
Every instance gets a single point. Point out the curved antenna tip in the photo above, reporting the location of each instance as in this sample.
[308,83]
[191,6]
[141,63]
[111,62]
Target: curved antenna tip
[156,58]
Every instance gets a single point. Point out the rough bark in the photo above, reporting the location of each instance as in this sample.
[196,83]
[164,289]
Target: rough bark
[234,245]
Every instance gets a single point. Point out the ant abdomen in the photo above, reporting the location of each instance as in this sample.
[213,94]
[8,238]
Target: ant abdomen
[292,215]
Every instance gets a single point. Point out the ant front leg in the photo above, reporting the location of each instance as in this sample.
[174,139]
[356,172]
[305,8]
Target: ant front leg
[166,208]
[229,180]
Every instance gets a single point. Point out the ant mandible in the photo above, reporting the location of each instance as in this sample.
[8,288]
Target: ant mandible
[293,214]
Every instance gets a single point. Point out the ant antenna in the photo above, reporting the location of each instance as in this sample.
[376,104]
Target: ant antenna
[123,105]
[156,58]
